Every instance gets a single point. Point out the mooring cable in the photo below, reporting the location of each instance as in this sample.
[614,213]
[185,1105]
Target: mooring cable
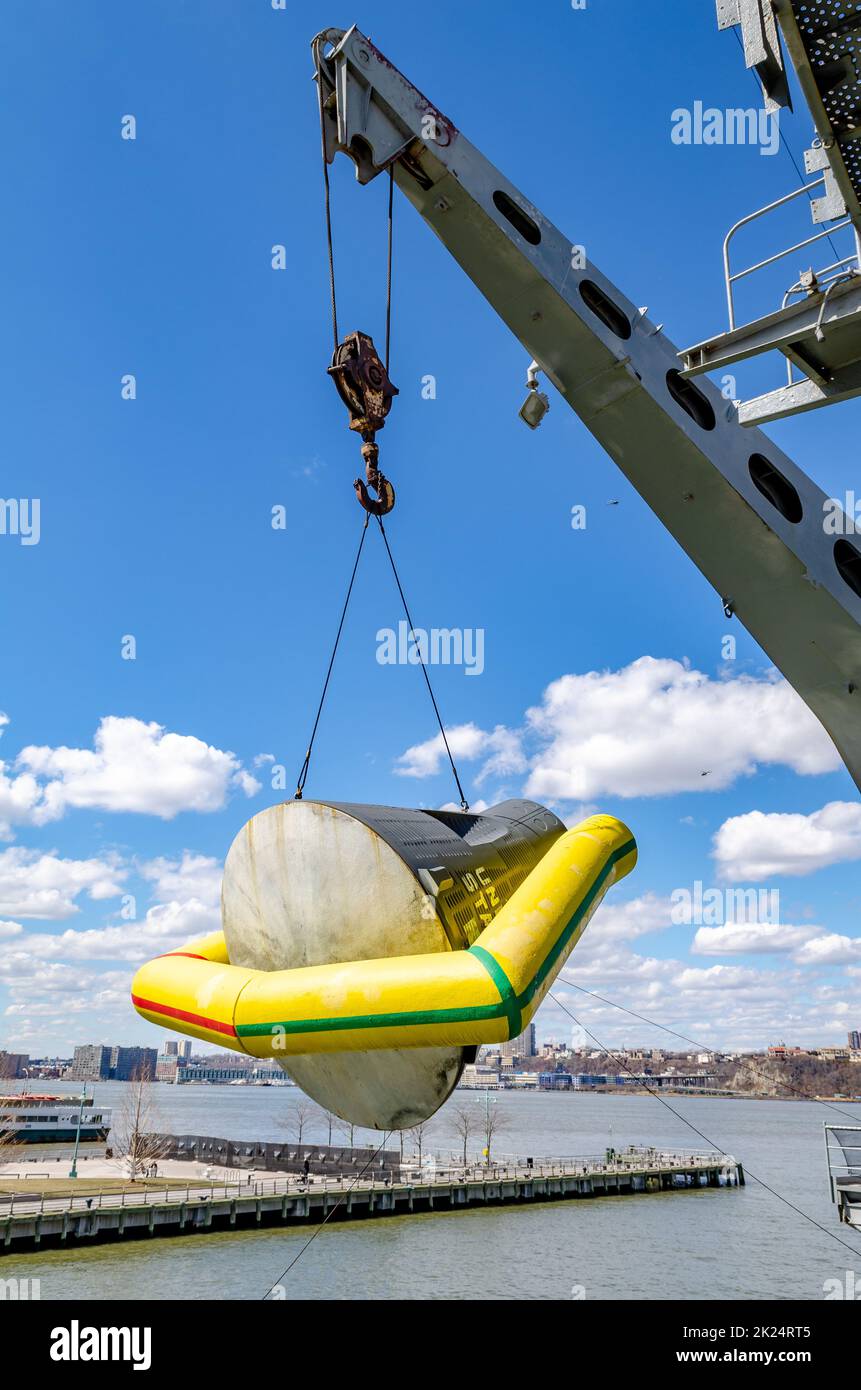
[327,1217]
[855,1249]
[705,1047]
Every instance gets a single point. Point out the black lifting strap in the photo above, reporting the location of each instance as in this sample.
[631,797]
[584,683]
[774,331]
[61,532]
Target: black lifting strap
[303,775]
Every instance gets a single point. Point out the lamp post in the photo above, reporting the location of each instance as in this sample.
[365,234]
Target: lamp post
[73,1172]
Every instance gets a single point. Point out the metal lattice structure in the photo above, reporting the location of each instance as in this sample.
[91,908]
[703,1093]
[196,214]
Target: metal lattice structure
[823,38]
[819,334]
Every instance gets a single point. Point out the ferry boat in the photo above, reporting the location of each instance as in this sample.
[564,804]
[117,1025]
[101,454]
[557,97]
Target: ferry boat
[34,1119]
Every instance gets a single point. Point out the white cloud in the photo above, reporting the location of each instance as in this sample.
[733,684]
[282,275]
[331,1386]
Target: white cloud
[33,884]
[63,965]
[18,794]
[752,938]
[830,950]
[28,977]
[500,749]
[653,728]
[19,798]
[133,766]
[727,1006]
[165,926]
[192,876]
[762,845]
[54,993]
[716,977]
[626,921]
[244,781]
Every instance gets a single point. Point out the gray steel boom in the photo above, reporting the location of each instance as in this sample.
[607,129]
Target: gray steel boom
[748,517]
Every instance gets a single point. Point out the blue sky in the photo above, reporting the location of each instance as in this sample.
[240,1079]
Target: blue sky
[153,257]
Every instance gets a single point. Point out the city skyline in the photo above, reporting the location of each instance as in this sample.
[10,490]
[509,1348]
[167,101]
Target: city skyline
[103,1061]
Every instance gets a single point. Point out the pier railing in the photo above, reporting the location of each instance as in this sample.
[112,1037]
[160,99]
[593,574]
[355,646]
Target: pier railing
[439,1170]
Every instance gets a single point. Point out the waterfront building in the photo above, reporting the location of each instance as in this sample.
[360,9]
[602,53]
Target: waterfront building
[476,1077]
[133,1063]
[524,1046]
[166,1069]
[555,1081]
[197,1074]
[97,1062]
[92,1062]
[13,1065]
[584,1081]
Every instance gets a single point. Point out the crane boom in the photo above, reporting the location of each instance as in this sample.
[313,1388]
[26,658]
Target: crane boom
[749,518]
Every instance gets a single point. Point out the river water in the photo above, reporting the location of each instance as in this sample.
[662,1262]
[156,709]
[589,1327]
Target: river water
[707,1243]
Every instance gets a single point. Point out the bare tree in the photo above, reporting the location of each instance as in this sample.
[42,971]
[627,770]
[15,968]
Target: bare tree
[417,1134]
[326,1120]
[300,1116]
[348,1129]
[134,1129]
[464,1122]
[493,1123]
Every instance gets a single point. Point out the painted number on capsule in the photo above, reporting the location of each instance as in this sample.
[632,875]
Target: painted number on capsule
[486,899]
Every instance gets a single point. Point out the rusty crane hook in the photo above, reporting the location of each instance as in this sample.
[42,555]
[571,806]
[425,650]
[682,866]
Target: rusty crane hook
[363,384]
[385,499]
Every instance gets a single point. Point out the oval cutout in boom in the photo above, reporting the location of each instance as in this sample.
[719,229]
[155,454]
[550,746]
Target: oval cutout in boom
[776,489]
[603,308]
[520,220]
[691,399]
[847,558]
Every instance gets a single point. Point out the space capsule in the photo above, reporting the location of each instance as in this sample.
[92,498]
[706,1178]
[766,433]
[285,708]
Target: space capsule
[372,949]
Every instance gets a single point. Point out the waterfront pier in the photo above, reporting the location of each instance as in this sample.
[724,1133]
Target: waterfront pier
[28,1221]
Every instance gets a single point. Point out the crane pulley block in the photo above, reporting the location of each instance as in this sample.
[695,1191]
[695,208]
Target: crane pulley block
[363,383]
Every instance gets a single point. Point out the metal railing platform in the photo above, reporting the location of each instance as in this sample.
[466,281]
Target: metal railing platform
[819,334]
[30,1223]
